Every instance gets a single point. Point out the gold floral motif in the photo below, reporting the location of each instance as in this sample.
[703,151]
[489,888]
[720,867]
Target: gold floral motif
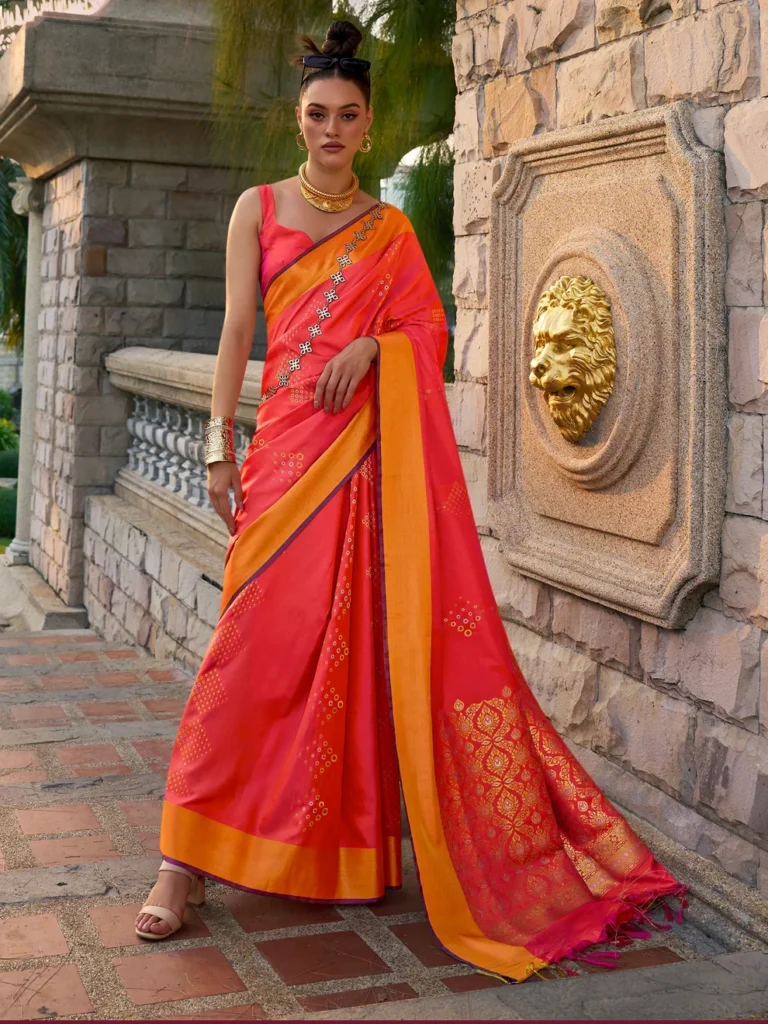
[289,465]
[192,742]
[226,642]
[464,617]
[456,502]
[249,597]
[337,650]
[531,836]
[177,783]
[208,691]
[300,394]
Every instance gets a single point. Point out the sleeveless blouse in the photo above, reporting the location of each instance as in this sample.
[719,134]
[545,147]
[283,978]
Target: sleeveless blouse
[280,245]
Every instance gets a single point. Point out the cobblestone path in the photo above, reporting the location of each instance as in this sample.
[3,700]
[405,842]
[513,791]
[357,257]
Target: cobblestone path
[86,729]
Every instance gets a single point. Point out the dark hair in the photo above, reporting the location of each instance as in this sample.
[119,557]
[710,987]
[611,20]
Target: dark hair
[341,40]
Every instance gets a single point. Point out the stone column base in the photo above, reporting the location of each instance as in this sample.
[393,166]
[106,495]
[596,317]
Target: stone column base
[29,604]
[17,552]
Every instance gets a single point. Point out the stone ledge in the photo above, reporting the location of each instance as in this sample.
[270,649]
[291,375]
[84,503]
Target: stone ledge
[31,605]
[728,987]
[179,378]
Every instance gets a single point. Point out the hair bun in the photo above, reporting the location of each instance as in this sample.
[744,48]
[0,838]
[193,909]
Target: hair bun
[342,39]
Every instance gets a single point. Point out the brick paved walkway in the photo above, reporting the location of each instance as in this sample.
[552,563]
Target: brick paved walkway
[85,734]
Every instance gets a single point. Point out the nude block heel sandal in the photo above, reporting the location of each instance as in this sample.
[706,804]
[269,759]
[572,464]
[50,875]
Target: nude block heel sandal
[196,898]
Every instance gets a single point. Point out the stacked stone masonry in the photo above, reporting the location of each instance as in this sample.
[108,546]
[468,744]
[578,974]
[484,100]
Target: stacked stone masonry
[673,724]
[133,254]
[150,582]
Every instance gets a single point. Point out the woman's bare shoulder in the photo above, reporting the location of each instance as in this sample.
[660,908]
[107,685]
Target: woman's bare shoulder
[248,206]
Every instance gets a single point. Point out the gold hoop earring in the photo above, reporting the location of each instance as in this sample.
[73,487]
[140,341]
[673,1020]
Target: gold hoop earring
[298,136]
[363,148]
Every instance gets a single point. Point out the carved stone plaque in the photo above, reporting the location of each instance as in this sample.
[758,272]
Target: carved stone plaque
[629,512]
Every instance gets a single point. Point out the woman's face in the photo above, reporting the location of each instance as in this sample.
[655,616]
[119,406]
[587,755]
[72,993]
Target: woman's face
[333,117]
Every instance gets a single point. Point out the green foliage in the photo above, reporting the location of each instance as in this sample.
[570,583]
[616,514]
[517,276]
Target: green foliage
[428,203]
[6,405]
[13,11]
[9,464]
[7,511]
[13,258]
[413,94]
[9,439]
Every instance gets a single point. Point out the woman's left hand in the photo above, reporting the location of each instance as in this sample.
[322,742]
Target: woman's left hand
[337,383]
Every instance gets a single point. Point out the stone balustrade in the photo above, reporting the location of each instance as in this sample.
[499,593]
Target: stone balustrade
[154,550]
[171,399]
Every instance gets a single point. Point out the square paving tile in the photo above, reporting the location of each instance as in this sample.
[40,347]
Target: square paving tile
[121,655]
[94,753]
[74,850]
[61,818]
[116,679]
[154,750]
[10,760]
[165,707]
[70,657]
[38,715]
[406,900]
[361,997]
[142,812]
[45,992]
[150,841]
[167,675]
[37,775]
[187,974]
[652,956]
[31,935]
[421,941]
[99,771]
[56,683]
[265,913]
[13,685]
[26,659]
[115,925]
[99,711]
[471,982]
[327,957]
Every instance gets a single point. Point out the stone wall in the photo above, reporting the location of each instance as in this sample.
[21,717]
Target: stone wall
[149,580]
[133,254]
[673,724]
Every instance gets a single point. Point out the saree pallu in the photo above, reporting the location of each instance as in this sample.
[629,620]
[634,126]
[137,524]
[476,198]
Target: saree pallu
[360,648]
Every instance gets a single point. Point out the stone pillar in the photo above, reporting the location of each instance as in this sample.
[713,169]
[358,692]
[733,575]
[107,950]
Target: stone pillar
[134,231]
[28,200]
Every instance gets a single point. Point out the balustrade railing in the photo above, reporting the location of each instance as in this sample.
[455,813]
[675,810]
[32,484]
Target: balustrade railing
[172,397]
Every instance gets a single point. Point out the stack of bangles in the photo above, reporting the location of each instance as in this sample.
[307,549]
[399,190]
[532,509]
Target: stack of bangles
[219,444]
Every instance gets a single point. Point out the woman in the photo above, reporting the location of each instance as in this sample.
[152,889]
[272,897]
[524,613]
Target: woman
[359,644]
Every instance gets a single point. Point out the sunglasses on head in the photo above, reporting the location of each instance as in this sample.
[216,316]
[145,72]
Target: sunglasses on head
[322,60]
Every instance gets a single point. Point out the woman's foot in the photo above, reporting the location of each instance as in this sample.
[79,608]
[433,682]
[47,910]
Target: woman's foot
[171,891]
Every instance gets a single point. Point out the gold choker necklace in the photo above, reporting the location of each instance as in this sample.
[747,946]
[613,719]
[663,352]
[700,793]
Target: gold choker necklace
[328,202]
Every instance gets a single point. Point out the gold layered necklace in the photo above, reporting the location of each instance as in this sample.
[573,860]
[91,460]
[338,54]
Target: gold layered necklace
[328,202]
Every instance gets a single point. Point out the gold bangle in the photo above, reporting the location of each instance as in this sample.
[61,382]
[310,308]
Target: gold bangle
[219,440]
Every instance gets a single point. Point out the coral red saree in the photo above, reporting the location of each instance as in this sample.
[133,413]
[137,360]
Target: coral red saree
[360,645]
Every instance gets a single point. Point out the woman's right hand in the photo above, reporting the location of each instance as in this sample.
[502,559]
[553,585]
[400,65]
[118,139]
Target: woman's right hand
[223,476]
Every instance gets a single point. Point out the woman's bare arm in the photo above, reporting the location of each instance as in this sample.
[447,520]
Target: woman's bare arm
[243,262]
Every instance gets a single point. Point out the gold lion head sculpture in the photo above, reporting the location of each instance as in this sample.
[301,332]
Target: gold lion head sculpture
[575,360]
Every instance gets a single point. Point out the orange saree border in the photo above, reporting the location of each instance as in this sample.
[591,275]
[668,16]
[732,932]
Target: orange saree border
[265,865]
[265,537]
[408,593]
[316,264]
